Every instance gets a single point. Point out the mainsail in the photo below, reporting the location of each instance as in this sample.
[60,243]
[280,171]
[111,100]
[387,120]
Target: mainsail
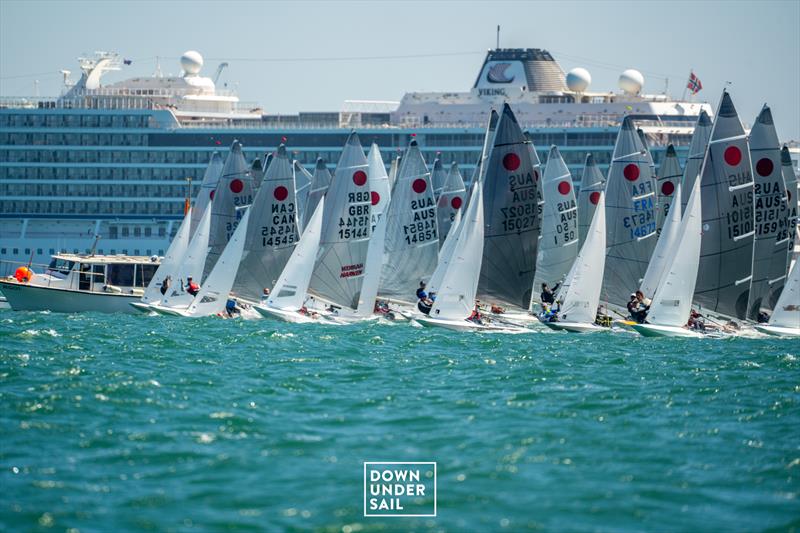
[790,179]
[672,300]
[771,241]
[580,292]
[234,191]
[346,229]
[592,184]
[302,190]
[272,233]
[787,310]
[456,297]
[289,292]
[257,171]
[510,202]
[450,201]
[412,237]
[697,153]
[438,177]
[378,184]
[726,256]
[665,248]
[669,178]
[558,246]
[207,188]
[320,181]
[630,216]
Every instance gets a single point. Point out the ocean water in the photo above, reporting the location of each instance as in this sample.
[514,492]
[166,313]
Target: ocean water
[120,423]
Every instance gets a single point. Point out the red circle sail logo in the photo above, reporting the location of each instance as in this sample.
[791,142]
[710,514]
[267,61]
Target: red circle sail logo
[237,186]
[419,185]
[375,198]
[733,156]
[631,172]
[764,166]
[564,188]
[280,193]
[359,177]
[667,188]
[594,197]
[455,203]
[511,161]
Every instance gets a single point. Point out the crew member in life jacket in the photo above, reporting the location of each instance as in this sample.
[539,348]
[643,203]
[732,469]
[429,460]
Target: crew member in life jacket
[191,287]
[424,302]
[548,294]
[476,314]
[165,285]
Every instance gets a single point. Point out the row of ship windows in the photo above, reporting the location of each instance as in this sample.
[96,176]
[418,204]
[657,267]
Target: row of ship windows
[52,251]
[72,120]
[84,139]
[105,156]
[109,207]
[130,191]
[93,173]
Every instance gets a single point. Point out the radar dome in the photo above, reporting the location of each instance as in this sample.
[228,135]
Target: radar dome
[191,62]
[631,81]
[578,80]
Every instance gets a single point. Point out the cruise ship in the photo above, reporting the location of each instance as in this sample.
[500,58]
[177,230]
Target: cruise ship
[113,160]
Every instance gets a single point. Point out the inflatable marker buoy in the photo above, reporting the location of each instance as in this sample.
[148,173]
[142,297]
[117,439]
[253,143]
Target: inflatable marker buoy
[23,274]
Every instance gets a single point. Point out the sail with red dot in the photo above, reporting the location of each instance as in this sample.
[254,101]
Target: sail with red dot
[320,181]
[412,237]
[450,202]
[378,184]
[272,234]
[630,216]
[510,203]
[771,239]
[346,230]
[726,255]
[558,246]
[668,178]
[793,216]
[592,184]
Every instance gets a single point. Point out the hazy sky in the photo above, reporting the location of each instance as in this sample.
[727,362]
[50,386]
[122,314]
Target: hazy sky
[754,45]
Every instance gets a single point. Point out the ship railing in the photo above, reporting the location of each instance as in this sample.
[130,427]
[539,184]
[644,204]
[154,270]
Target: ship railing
[111,99]
[8,268]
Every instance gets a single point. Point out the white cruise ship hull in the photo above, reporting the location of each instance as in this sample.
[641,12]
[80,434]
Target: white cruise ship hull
[25,297]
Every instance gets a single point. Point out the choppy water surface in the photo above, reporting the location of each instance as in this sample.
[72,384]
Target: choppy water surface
[136,422]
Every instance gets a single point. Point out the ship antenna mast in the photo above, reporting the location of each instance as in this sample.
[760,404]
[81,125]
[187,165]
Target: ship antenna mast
[498,36]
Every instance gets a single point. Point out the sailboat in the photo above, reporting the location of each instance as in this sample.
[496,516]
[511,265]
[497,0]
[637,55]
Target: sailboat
[273,231]
[379,190]
[580,293]
[450,202]
[672,300]
[234,191]
[320,181]
[412,235]
[169,265]
[207,187]
[723,282]
[511,234]
[785,319]
[592,184]
[670,176]
[630,217]
[790,179]
[288,297]
[558,247]
[696,155]
[771,240]
[346,229]
[302,190]
[665,247]
[438,177]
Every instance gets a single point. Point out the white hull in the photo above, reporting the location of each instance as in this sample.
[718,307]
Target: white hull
[778,331]
[26,297]
[653,330]
[466,325]
[286,315]
[169,311]
[574,327]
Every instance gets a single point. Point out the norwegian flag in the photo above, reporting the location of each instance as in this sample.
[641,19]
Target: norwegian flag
[694,84]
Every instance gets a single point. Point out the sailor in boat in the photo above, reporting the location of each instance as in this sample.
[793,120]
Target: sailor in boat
[231,308]
[636,308]
[476,315]
[191,287]
[165,285]
[424,301]
[550,311]
[265,295]
[602,319]
[643,299]
[548,294]
[382,309]
[696,321]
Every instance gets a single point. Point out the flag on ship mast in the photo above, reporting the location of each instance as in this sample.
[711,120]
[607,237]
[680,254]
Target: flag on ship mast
[694,85]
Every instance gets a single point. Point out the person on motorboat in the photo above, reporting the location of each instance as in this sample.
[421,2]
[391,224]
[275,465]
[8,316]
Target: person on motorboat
[191,287]
[548,295]
[165,285]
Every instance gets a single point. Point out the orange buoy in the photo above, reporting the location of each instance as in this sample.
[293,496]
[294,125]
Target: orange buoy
[23,274]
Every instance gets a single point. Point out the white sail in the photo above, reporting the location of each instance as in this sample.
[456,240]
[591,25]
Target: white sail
[302,190]
[670,175]
[207,187]
[372,269]
[662,255]
[393,168]
[320,181]
[191,265]
[446,253]
[214,293]
[771,216]
[273,232]
[378,184]
[580,292]
[450,202]
[234,191]
[412,236]
[346,229]
[672,300]
[697,153]
[438,177]
[790,179]
[290,291]
[171,262]
[456,298]
[787,309]
[558,246]
[592,184]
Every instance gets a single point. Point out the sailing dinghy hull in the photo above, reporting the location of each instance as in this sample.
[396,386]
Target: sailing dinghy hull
[653,330]
[777,331]
[574,327]
[465,325]
[285,315]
